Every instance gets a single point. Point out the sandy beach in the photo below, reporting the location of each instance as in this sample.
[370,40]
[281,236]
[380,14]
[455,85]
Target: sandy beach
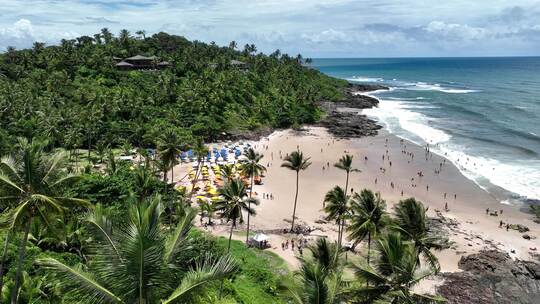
[471,229]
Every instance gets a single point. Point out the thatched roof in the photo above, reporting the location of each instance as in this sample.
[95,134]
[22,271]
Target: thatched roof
[124,64]
[140,57]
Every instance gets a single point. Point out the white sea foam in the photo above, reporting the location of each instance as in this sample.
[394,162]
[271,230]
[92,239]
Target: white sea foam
[521,177]
[405,98]
[422,86]
[397,114]
[365,79]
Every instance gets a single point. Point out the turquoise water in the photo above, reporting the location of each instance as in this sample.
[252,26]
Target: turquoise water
[481,113]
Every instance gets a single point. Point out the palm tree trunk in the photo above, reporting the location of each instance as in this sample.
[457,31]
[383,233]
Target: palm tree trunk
[339,233]
[368,246]
[172,174]
[347,184]
[295,200]
[249,206]
[230,237]
[22,252]
[3,260]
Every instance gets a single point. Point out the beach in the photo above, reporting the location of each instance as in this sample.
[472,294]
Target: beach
[469,227]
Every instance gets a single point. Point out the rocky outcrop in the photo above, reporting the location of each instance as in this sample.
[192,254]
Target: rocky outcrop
[492,277]
[351,124]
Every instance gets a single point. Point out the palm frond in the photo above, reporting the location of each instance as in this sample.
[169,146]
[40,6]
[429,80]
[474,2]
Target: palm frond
[180,232]
[206,271]
[81,285]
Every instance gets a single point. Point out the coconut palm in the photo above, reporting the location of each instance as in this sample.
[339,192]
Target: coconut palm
[337,208]
[30,181]
[251,168]
[143,182]
[319,279]
[368,218]
[411,221]
[345,163]
[137,262]
[227,171]
[200,151]
[296,162]
[235,200]
[392,276]
[169,149]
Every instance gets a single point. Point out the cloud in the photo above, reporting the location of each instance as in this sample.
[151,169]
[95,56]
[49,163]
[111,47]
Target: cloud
[22,34]
[312,27]
[19,33]
[456,32]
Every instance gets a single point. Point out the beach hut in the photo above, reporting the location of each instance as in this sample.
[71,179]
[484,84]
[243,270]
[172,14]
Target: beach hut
[261,240]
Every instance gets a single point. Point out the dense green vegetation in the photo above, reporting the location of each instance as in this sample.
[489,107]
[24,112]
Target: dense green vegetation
[86,227]
[73,95]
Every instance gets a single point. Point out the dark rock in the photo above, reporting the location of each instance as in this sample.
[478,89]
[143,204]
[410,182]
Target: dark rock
[526,236]
[349,125]
[492,277]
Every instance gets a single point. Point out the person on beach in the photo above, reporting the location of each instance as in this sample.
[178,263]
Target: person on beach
[487,211]
[446,207]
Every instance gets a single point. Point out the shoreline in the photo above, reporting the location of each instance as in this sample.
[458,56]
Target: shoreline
[468,226]
[470,229]
[461,161]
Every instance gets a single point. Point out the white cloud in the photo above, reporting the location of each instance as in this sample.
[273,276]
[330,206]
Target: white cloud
[456,31]
[312,27]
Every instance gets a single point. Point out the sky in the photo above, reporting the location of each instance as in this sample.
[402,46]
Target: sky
[314,28]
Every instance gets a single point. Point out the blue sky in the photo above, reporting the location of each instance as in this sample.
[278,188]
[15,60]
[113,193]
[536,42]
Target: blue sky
[315,28]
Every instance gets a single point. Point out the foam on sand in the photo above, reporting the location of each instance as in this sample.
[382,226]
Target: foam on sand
[517,176]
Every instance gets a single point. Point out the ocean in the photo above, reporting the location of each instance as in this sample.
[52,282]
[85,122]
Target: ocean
[483,114]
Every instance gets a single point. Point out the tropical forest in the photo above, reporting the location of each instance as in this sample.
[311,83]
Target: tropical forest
[104,159]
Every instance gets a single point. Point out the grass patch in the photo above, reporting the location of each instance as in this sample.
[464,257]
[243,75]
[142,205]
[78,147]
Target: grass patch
[260,275]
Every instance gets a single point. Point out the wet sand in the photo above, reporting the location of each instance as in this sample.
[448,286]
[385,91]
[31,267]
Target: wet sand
[472,229]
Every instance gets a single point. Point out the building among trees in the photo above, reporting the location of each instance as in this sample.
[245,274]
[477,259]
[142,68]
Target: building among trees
[140,62]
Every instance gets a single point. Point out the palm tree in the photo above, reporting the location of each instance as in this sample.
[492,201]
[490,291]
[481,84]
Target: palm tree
[296,162]
[411,221]
[252,169]
[143,183]
[368,217]
[337,208]
[32,180]
[394,273]
[235,200]
[138,262]
[227,171]
[141,33]
[319,279]
[345,163]
[168,150]
[200,151]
